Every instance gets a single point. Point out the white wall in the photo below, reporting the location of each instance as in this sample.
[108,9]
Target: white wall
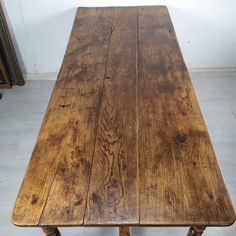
[206,30]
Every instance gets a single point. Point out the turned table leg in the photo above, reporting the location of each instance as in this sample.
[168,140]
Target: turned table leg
[51,231]
[196,230]
[124,231]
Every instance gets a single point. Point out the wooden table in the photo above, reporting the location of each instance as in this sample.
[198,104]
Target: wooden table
[123,141]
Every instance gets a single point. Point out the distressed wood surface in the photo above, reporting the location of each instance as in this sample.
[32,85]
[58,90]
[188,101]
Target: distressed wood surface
[67,197]
[59,170]
[113,191]
[123,140]
[180,181]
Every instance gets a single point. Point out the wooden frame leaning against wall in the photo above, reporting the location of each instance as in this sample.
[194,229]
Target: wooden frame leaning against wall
[8,56]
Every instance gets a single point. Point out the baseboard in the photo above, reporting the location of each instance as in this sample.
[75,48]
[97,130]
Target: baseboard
[41,76]
[53,75]
[213,70]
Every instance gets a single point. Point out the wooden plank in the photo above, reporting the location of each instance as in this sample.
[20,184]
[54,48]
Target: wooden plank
[113,193]
[180,181]
[66,139]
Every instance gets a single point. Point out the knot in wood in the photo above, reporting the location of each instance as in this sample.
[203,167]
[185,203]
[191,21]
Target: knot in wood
[180,137]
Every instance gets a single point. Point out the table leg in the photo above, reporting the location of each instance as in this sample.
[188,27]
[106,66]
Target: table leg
[51,231]
[124,231]
[196,230]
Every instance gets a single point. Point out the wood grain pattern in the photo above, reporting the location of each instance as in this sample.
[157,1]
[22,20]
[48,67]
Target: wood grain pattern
[65,144]
[67,198]
[113,193]
[180,181]
[123,141]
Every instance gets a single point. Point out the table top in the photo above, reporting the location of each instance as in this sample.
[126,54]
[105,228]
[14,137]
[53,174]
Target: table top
[123,141]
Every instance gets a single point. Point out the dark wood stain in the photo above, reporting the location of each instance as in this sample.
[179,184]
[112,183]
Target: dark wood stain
[34,199]
[78,202]
[181,137]
[96,199]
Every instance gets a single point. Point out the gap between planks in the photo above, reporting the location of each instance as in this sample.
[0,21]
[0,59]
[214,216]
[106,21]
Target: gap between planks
[137,107]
